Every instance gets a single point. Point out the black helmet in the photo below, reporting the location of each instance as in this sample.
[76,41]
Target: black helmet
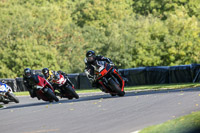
[27,72]
[90,55]
[45,72]
[57,76]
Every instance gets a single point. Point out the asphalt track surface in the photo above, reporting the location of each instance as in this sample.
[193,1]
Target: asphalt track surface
[98,112]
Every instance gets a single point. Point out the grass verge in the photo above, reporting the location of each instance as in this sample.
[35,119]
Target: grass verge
[185,124]
[142,87]
[163,86]
[25,93]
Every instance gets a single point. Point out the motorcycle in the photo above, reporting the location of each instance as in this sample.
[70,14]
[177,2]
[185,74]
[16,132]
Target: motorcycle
[6,94]
[65,87]
[44,89]
[109,79]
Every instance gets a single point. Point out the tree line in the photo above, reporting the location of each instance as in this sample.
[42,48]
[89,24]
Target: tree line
[133,33]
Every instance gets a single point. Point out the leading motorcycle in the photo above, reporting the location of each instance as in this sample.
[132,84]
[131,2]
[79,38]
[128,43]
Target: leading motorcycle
[108,78]
[6,94]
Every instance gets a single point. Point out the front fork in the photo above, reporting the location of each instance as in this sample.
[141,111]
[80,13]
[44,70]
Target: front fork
[4,96]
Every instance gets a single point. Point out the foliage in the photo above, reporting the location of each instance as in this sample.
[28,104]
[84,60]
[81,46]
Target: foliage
[100,13]
[162,8]
[57,33]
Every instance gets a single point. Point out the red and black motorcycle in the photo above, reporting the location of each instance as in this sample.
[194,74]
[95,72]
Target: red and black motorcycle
[64,86]
[44,89]
[109,79]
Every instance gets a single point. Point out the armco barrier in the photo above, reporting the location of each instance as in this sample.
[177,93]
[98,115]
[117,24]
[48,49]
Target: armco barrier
[74,78]
[195,72]
[135,76]
[180,74]
[20,85]
[157,75]
[84,81]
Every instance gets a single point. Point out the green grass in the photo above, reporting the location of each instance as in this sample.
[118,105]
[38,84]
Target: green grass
[25,93]
[184,124]
[163,86]
[142,87]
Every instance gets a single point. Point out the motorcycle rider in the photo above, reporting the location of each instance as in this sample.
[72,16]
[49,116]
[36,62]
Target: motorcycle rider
[90,61]
[28,80]
[65,75]
[49,75]
[53,76]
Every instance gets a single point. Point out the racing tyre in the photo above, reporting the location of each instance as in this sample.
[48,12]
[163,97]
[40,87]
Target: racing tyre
[52,95]
[5,102]
[72,92]
[12,97]
[113,95]
[116,88]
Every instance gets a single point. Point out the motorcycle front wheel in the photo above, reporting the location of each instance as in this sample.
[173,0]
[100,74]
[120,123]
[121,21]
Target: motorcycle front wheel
[52,95]
[116,88]
[72,92]
[12,97]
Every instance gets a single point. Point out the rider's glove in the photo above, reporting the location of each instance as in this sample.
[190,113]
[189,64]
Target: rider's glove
[90,77]
[112,64]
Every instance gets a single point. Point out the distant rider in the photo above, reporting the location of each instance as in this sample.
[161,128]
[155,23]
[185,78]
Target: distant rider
[53,76]
[49,75]
[28,80]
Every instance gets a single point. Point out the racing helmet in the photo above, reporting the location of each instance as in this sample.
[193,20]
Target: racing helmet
[57,76]
[90,56]
[45,72]
[27,72]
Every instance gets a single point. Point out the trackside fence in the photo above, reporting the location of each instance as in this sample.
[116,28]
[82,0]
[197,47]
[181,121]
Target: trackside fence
[136,76]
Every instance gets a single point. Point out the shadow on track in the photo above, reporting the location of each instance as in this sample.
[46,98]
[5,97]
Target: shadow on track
[102,95]
[128,94]
[63,100]
[27,105]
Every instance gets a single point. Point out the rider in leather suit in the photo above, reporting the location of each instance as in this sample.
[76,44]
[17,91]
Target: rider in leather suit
[52,76]
[90,61]
[28,80]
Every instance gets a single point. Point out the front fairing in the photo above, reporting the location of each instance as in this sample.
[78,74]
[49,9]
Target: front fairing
[41,86]
[42,83]
[61,81]
[107,74]
[5,88]
[101,69]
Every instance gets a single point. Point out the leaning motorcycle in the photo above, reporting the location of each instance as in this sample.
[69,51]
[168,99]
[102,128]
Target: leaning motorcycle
[109,79]
[66,89]
[6,94]
[44,89]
